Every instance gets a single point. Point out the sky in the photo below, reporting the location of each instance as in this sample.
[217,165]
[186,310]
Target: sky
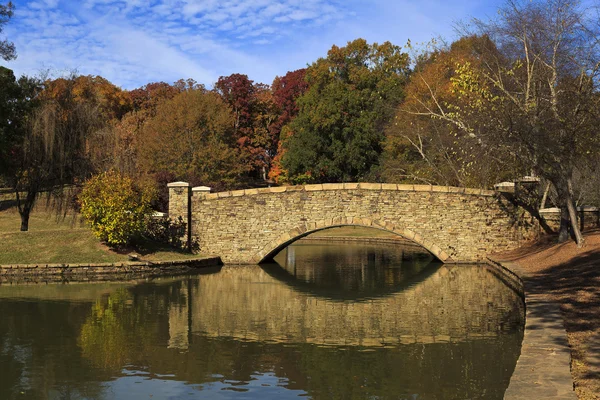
[135,42]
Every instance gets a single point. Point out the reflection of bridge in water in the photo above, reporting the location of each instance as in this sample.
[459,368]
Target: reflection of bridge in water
[451,304]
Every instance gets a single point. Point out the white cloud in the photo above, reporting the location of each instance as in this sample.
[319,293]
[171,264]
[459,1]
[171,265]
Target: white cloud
[133,42]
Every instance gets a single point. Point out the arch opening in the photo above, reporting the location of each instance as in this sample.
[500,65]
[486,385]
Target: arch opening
[270,250]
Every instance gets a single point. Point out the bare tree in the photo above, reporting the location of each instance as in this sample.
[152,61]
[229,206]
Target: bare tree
[531,91]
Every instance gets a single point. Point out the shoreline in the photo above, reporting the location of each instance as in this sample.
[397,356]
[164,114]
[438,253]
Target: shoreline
[12,273]
[543,368]
[562,283]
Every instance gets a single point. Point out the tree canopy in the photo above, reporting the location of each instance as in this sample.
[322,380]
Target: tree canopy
[338,132]
[7,49]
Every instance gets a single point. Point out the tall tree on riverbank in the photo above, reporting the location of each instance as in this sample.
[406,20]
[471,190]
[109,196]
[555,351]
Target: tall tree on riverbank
[535,95]
[422,148]
[338,133]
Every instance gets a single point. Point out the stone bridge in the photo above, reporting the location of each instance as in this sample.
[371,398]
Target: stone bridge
[251,226]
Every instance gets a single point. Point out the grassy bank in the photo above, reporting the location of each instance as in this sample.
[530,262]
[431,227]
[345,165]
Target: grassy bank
[571,277]
[66,240]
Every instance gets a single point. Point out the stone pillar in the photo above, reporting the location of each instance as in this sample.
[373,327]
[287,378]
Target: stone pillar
[181,206]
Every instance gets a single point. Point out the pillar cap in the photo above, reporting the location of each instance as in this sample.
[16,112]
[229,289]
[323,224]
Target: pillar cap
[201,189]
[178,184]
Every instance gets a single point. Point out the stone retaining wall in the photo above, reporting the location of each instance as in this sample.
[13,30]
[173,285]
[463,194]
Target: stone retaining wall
[454,224]
[138,268]
[589,217]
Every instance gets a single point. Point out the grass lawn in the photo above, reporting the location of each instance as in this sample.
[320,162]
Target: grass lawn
[69,240]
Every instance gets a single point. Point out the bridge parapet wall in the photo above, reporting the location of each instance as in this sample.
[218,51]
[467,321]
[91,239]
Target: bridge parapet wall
[455,224]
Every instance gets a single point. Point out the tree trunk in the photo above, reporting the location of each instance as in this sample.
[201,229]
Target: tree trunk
[563,232]
[25,220]
[24,206]
[573,216]
[545,197]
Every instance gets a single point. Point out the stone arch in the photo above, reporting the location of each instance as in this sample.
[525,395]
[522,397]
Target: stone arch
[305,229]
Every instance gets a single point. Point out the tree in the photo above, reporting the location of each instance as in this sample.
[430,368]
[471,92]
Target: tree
[423,149]
[7,49]
[116,208]
[338,133]
[14,107]
[286,91]
[53,147]
[147,97]
[253,112]
[535,94]
[191,136]
[110,100]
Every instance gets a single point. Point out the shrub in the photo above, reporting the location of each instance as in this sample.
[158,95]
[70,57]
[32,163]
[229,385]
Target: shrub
[170,232]
[117,209]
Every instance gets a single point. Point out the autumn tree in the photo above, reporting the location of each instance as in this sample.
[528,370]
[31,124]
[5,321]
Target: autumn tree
[286,91]
[429,150]
[7,49]
[53,150]
[112,102]
[253,112]
[191,136]
[338,133]
[536,94]
[148,97]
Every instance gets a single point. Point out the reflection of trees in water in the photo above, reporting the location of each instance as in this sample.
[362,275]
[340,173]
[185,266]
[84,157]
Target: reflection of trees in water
[39,357]
[195,330]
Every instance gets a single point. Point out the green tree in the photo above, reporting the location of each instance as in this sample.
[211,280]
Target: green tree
[338,133]
[14,106]
[7,49]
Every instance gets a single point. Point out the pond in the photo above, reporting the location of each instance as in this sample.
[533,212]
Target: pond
[327,320]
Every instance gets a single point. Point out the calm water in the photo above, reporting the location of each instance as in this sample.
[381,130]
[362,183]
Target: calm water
[328,321]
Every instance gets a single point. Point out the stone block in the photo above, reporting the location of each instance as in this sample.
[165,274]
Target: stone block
[313,188]
[473,191]
[422,188]
[333,186]
[454,189]
[179,185]
[351,186]
[406,188]
[370,186]
[278,189]
[389,186]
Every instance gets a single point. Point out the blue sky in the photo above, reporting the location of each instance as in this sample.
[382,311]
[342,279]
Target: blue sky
[135,42]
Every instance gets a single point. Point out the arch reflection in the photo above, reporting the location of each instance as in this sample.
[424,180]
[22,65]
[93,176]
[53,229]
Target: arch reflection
[357,271]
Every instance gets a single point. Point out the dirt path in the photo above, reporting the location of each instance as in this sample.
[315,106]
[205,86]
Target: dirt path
[571,277]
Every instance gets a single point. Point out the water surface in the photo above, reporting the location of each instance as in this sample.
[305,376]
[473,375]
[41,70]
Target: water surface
[327,321]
